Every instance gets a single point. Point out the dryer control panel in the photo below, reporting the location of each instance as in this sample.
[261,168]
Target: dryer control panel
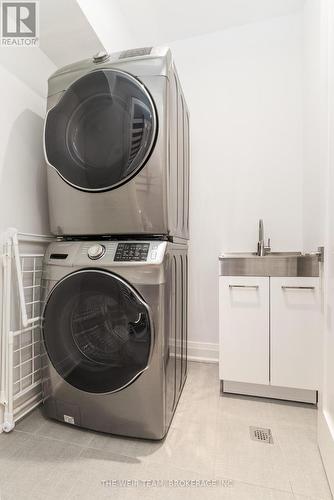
[131,251]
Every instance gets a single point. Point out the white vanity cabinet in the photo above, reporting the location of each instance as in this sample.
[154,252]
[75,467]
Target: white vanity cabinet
[244,324]
[295,332]
[270,335]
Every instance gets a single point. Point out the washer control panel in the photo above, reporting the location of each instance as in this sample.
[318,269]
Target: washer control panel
[132,251]
[114,253]
[96,251]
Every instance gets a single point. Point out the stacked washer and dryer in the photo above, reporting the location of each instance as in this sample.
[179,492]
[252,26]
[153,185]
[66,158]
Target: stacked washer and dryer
[114,317]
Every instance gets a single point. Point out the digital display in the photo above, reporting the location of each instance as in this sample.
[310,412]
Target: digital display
[131,251]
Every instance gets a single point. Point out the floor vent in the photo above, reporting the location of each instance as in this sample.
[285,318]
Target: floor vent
[260,434]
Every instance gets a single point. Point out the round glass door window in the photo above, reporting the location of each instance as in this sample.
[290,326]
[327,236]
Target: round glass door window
[97,331]
[102,131]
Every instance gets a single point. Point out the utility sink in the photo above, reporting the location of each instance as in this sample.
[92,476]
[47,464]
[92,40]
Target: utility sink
[292,264]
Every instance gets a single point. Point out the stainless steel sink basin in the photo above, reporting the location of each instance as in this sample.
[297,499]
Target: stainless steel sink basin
[272,264]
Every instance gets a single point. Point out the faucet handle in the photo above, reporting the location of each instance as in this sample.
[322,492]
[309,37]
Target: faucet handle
[268,247]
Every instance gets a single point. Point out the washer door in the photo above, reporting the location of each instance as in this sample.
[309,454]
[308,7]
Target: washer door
[102,131]
[97,331]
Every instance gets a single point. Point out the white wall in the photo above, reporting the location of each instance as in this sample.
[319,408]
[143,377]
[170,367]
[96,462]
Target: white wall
[325,16]
[109,23]
[314,139]
[65,34]
[244,90]
[23,199]
[158,22]
[318,189]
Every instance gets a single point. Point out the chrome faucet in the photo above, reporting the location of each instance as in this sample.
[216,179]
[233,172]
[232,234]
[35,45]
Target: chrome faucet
[262,248]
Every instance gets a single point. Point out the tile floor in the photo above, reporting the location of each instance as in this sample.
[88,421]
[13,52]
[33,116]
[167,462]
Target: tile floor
[209,439]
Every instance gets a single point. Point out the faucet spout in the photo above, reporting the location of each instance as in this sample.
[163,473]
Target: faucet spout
[260,243]
[261,232]
[262,248]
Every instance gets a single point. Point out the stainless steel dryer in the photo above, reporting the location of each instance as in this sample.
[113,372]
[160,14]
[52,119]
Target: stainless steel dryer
[114,328]
[116,143]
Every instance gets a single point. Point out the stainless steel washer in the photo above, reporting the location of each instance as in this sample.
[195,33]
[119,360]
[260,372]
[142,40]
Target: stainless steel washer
[116,144]
[114,328]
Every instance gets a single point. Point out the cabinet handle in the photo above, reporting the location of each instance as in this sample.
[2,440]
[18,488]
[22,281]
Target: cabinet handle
[298,287]
[244,286]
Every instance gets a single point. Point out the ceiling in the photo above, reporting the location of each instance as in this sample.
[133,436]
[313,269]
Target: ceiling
[156,22]
[67,34]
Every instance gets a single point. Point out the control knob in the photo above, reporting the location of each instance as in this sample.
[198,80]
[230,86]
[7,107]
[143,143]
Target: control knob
[101,56]
[96,251]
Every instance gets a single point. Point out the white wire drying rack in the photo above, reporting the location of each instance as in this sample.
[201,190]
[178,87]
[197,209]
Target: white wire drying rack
[20,384]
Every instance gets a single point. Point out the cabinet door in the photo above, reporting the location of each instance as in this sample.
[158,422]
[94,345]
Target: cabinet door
[244,329]
[295,332]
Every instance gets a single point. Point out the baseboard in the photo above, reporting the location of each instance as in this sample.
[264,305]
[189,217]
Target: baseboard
[270,391]
[326,444]
[204,352]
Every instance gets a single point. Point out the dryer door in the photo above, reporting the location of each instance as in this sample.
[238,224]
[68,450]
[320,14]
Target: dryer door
[102,131]
[97,331]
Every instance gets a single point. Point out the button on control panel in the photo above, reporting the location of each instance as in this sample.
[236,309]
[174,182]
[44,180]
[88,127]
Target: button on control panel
[131,252]
[96,251]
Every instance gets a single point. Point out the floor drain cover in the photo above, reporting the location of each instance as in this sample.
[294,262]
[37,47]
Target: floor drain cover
[260,434]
